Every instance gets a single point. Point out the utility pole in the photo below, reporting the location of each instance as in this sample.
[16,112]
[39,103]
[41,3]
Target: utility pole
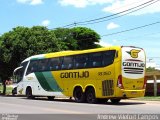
[155,85]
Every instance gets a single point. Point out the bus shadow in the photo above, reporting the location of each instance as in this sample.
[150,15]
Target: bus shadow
[46,99]
[122,103]
[125,103]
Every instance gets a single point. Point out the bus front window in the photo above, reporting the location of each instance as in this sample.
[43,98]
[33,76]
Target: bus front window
[18,75]
[19,72]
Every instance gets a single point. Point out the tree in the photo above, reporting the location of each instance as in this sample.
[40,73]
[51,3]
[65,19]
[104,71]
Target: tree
[65,36]
[22,42]
[151,69]
[86,38]
[78,38]
[3,74]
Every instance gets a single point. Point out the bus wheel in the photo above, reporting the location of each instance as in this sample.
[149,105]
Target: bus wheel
[29,93]
[79,95]
[115,101]
[51,97]
[90,96]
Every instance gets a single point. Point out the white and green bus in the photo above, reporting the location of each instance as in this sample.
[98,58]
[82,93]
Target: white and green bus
[114,73]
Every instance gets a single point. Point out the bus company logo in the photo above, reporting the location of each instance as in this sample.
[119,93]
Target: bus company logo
[133,53]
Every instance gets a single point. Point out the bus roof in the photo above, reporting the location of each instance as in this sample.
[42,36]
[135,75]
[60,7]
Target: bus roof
[41,56]
[65,53]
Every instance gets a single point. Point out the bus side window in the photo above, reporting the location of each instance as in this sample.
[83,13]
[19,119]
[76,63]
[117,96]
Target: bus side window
[54,63]
[95,59]
[33,67]
[108,57]
[67,63]
[43,65]
[81,61]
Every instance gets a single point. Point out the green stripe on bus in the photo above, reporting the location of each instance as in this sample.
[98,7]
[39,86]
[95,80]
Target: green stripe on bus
[43,82]
[52,82]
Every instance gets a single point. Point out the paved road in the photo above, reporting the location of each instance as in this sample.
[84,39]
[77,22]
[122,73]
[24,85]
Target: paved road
[21,105]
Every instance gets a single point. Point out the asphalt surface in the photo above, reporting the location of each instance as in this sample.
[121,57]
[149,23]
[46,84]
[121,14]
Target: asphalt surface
[41,108]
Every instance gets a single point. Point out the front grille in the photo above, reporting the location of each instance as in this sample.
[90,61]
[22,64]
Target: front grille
[133,70]
[107,88]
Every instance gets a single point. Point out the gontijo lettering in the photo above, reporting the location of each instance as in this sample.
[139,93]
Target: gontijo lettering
[84,74]
[132,64]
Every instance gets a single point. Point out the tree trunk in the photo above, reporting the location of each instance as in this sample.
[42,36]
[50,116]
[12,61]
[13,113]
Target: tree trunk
[4,87]
[155,85]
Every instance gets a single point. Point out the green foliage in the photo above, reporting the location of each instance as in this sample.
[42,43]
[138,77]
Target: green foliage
[23,42]
[78,38]
[65,37]
[150,69]
[86,38]
[8,89]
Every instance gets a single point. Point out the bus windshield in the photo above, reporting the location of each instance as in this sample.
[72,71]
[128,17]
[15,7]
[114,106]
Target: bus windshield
[19,72]
[18,75]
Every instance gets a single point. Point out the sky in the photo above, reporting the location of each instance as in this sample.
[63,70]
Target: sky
[132,14]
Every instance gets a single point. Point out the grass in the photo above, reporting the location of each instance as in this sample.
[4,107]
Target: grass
[149,98]
[8,89]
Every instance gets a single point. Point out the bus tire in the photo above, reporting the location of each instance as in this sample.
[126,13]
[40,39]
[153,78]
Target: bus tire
[51,97]
[14,91]
[29,93]
[115,101]
[78,94]
[90,96]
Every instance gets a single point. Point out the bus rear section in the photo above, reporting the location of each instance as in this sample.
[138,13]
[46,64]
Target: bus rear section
[131,82]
